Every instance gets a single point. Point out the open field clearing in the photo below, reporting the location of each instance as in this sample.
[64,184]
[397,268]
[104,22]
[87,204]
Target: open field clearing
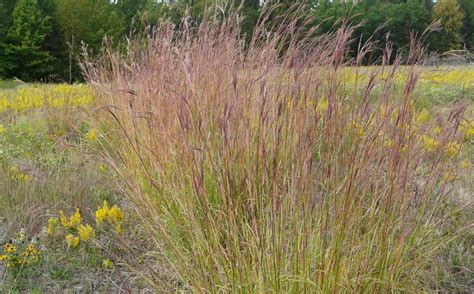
[349,178]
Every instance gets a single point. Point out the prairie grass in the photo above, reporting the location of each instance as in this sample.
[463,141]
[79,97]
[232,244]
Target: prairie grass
[260,168]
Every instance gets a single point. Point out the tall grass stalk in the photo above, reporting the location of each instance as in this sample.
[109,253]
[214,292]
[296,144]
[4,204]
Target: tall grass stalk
[260,167]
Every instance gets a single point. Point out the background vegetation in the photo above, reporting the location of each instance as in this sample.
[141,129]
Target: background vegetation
[41,39]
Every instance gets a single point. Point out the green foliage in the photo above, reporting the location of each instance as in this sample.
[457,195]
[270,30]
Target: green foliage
[130,11]
[450,16]
[65,26]
[467,31]
[23,53]
[397,19]
[86,21]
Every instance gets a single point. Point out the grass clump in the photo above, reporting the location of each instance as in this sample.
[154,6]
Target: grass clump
[256,168]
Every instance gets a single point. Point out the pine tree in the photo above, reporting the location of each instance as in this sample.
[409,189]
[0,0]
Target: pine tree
[23,55]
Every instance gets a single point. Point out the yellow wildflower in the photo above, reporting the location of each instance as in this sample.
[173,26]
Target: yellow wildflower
[468,128]
[30,250]
[358,130]
[423,117]
[74,221]
[72,241]
[103,168]
[118,229]
[86,232]
[107,263]
[3,257]
[289,102]
[404,149]
[91,135]
[429,143]
[465,164]
[469,133]
[53,223]
[22,177]
[394,116]
[388,143]
[9,248]
[437,130]
[322,106]
[2,129]
[449,176]
[20,236]
[115,215]
[452,149]
[64,221]
[102,212]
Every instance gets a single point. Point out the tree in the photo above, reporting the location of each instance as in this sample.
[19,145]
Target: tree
[54,42]
[451,17]
[87,22]
[251,13]
[3,23]
[23,56]
[376,18]
[467,31]
[130,10]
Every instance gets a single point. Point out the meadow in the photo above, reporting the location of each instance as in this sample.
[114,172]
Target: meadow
[204,171]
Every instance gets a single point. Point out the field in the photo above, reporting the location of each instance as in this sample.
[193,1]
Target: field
[50,157]
[233,174]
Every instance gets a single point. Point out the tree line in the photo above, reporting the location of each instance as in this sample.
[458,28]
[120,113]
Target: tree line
[39,39]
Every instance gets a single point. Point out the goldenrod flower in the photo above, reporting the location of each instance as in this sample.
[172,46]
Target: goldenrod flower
[357,130]
[404,149]
[64,221]
[322,106]
[388,143]
[423,117]
[289,102]
[53,223]
[73,222]
[72,241]
[115,215]
[452,149]
[75,219]
[468,128]
[449,176]
[429,143]
[470,133]
[91,135]
[102,212]
[103,168]
[86,232]
[465,164]
[107,263]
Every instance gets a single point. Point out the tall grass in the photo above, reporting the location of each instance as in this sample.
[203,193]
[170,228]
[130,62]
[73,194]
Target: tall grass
[257,167]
